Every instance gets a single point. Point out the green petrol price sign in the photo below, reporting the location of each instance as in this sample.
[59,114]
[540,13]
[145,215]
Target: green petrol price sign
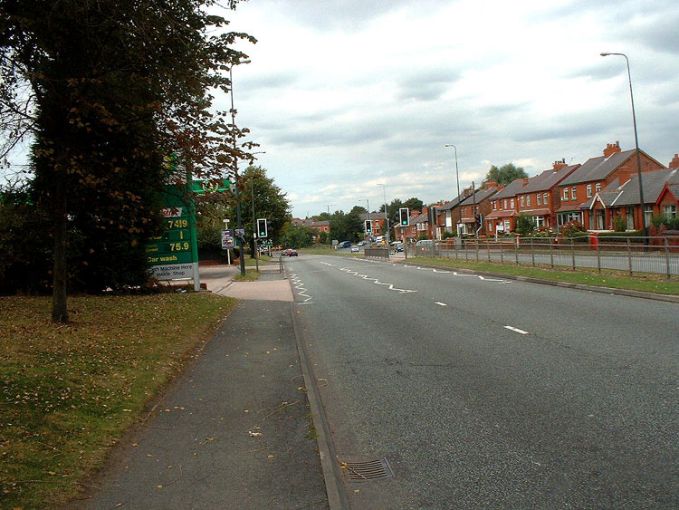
[170,256]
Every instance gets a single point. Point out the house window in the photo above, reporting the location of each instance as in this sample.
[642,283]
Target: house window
[505,204]
[589,191]
[565,194]
[648,214]
[539,197]
[598,187]
[494,204]
[573,193]
[528,200]
[670,211]
[545,198]
[511,203]
[523,200]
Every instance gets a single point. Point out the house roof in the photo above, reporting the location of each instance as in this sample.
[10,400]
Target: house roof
[447,206]
[501,214]
[543,211]
[479,196]
[421,218]
[510,191]
[597,169]
[627,193]
[548,179]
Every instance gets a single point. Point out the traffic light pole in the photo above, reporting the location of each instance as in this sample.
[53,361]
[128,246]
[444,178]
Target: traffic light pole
[254,222]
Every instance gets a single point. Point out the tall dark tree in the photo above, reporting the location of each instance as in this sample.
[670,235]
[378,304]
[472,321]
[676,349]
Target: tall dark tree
[505,174]
[270,202]
[109,89]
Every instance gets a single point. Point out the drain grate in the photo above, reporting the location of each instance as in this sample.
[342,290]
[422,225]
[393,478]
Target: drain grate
[366,471]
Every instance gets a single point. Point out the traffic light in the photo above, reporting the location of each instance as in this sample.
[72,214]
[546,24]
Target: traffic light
[404,216]
[261,228]
[368,226]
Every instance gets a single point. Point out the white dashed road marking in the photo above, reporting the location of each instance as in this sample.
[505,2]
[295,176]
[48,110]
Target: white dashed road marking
[516,330]
[299,286]
[440,304]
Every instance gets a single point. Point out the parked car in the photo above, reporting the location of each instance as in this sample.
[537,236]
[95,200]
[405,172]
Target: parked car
[344,244]
[354,249]
[290,252]
[398,247]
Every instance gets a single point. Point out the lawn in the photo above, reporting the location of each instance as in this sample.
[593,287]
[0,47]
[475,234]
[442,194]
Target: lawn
[612,279]
[70,391]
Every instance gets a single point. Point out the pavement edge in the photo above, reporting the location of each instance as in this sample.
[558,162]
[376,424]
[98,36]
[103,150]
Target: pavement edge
[337,499]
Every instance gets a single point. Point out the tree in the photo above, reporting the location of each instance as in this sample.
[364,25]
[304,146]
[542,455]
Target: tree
[505,174]
[414,204]
[294,236]
[270,202]
[524,225]
[107,90]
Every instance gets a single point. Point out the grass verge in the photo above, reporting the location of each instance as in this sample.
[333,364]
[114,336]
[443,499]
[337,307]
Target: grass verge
[250,276]
[68,392]
[612,279]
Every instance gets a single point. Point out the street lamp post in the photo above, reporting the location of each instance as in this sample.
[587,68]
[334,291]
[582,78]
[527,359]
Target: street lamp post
[457,178]
[239,221]
[386,214]
[636,144]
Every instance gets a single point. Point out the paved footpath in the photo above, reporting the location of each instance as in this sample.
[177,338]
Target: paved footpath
[234,431]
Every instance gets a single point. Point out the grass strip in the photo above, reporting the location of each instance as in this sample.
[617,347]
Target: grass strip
[250,276]
[646,282]
[68,392]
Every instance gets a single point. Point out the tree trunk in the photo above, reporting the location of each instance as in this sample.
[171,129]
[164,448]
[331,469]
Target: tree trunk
[59,308]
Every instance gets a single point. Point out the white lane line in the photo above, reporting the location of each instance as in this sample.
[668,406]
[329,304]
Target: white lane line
[516,330]
[440,304]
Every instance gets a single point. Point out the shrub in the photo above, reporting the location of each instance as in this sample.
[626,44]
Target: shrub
[572,228]
[524,224]
[619,224]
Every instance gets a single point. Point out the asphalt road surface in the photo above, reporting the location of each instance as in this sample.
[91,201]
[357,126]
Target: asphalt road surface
[488,393]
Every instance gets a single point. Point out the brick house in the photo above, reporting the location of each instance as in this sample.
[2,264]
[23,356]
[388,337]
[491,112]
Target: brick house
[577,190]
[620,199]
[376,222]
[408,233]
[502,217]
[539,198]
[668,199]
[448,214]
[317,226]
[476,207]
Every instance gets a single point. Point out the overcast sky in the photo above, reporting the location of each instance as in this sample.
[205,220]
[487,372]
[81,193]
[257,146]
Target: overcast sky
[344,95]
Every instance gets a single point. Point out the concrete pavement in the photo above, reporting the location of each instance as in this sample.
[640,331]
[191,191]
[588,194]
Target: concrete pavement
[233,431]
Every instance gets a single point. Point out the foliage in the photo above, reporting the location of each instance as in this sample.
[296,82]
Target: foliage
[505,174]
[71,390]
[104,108]
[323,238]
[524,225]
[294,236]
[346,227]
[572,228]
[422,236]
[413,203]
[270,202]
[619,224]
[447,235]
[662,220]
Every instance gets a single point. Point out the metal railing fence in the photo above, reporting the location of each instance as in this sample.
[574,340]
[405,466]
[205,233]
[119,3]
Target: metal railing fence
[653,254]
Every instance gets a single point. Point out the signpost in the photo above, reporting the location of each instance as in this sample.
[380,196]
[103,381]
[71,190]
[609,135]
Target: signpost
[174,254]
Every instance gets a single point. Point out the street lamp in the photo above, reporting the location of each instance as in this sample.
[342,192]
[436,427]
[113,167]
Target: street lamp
[239,221]
[386,215]
[636,143]
[457,178]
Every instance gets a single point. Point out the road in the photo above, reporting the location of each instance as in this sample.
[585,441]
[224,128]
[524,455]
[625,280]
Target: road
[489,393]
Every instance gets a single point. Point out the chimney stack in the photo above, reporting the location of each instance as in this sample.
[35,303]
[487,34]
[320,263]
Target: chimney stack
[675,162]
[558,165]
[611,148]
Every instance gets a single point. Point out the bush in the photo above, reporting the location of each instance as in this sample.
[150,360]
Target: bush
[524,225]
[572,228]
[619,224]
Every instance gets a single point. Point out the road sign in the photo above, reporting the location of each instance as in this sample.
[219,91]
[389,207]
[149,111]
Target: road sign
[227,239]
